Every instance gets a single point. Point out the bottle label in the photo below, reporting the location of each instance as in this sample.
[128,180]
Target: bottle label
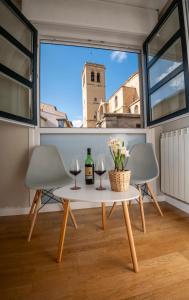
[89,172]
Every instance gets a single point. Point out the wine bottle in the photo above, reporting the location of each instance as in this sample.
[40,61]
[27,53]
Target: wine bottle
[89,168]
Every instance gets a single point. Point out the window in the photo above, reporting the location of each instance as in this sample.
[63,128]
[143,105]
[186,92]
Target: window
[92,76]
[166,67]
[65,97]
[98,77]
[18,44]
[116,102]
[60,123]
[136,109]
[83,80]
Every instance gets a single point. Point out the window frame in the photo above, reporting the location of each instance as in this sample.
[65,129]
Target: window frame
[92,76]
[32,55]
[184,67]
[46,39]
[61,120]
[98,77]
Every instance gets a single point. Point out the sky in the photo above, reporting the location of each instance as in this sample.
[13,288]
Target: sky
[60,74]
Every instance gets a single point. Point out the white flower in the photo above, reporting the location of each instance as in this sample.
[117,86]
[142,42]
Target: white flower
[123,150]
[127,153]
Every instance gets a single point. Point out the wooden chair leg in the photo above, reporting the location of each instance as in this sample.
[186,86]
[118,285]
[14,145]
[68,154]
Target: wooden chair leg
[73,218]
[63,230]
[154,200]
[130,236]
[71,215]
[33,203]
[112,209]
[103,216]
[140,202]
[33,221]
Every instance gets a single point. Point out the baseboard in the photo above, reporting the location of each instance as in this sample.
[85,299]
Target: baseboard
[178,204]
[13,211]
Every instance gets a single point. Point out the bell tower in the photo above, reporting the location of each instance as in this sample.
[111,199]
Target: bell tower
[93,92]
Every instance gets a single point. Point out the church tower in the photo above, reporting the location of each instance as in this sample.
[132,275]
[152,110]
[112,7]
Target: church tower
[93,92]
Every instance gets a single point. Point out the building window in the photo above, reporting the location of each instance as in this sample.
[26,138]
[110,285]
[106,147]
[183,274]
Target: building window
[136,109]
[83,79]
[18,44]
[95,115]
[166,67]
[116,102]
[61,123]
[95,99]
[98,77]
[92,76]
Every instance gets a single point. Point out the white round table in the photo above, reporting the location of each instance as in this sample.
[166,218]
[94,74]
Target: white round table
[88,193]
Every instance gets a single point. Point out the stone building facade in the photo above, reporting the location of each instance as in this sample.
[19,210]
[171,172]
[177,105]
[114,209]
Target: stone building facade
[51,117]
[93,92]
[122,109]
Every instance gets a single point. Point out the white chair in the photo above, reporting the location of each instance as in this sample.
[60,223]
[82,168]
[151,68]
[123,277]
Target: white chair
[45,173]
[144,169]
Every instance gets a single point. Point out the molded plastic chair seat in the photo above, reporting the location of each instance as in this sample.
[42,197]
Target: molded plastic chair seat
[138,180]
[59,182]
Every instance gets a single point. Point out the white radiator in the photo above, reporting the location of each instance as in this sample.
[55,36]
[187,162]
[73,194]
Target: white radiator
[175,164]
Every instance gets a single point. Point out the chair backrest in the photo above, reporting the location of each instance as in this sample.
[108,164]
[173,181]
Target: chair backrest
[45,166]
[143,162]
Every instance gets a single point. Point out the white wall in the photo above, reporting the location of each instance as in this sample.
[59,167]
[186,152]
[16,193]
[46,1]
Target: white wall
[94,20]
[14,156]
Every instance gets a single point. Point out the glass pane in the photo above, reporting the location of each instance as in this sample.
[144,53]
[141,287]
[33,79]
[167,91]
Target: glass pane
[15,27]
[169,98]
[15,98]
[15,60]
[168,62]
[166,31]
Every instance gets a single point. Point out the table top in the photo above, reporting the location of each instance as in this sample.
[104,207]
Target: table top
[88,193]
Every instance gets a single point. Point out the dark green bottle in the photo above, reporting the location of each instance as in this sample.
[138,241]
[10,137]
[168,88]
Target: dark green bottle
[89,168]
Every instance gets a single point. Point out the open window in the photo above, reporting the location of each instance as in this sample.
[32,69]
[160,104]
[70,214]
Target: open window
[93,87]
[166,67]
[18,61]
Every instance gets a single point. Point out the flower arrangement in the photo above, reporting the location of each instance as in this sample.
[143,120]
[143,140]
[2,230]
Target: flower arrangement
[119,153]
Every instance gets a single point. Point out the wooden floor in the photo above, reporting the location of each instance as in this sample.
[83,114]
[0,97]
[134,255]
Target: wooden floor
[96,264]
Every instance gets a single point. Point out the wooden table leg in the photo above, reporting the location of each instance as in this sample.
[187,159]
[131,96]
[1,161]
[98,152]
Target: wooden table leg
[154,199]
[103,215]
[63,230]
[33,221]
[130,236]
[140,202]
[112,209]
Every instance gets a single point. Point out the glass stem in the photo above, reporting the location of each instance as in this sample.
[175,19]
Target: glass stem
[75,181]
[100,182]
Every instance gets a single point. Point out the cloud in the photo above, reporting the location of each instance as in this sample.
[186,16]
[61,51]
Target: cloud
[178,83]
[77,123]
[170,69]
[118,56]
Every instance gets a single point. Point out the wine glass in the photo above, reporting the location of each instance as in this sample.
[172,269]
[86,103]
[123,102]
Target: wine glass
[100,170]
[75,170]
